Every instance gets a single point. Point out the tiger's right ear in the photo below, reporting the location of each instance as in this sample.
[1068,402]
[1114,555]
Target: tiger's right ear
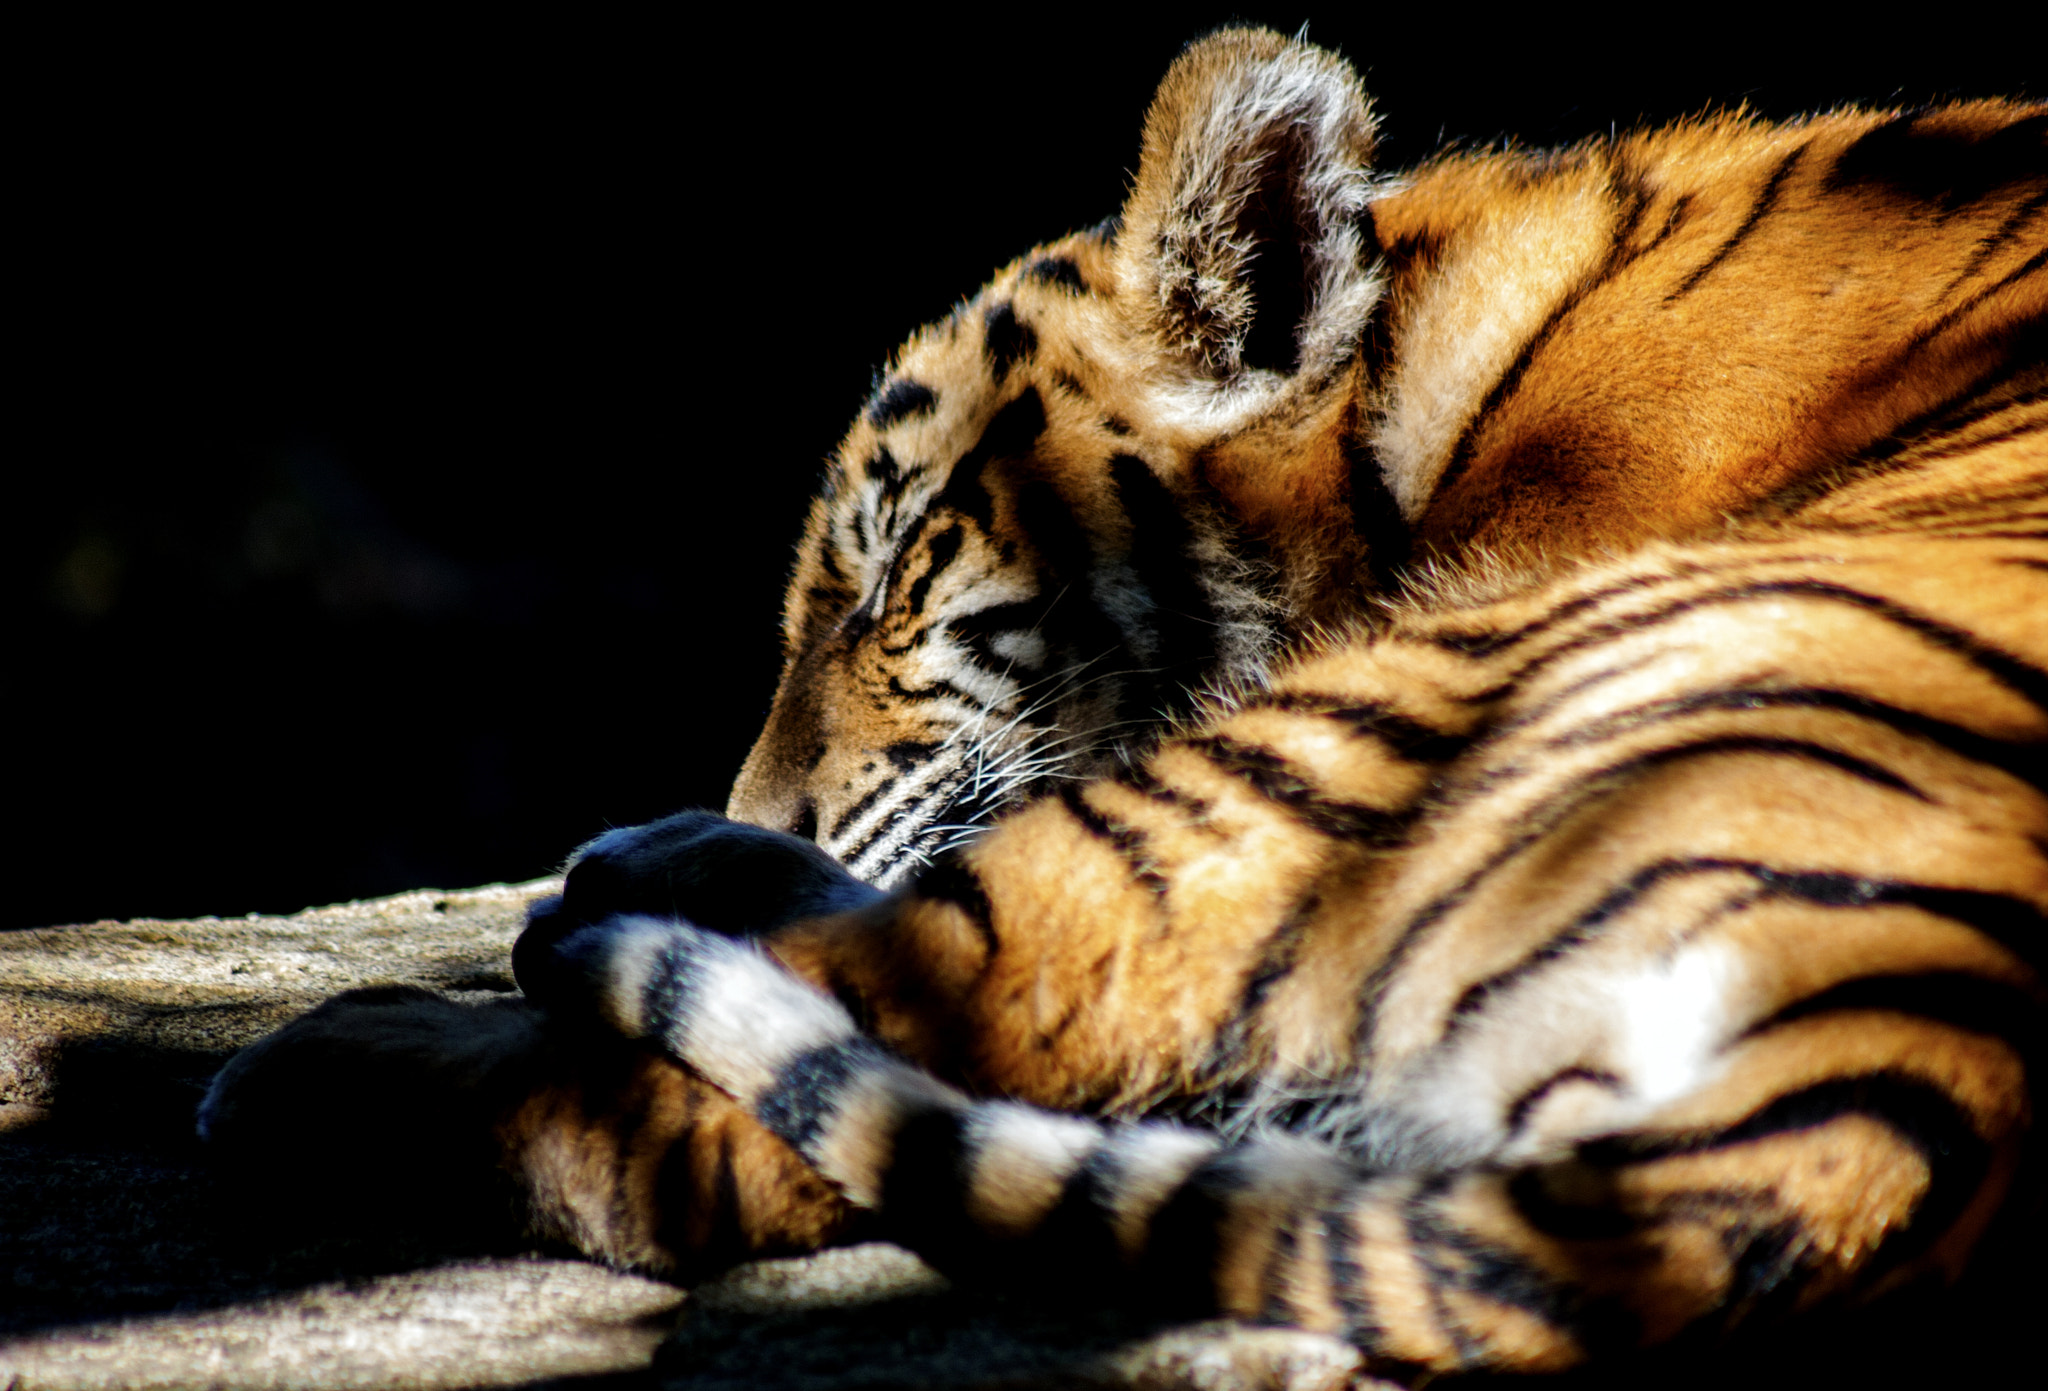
[1240,246]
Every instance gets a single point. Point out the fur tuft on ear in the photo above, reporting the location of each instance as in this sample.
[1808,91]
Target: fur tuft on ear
[1240,246]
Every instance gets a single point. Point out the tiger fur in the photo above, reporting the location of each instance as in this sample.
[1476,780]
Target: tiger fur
[1456,760]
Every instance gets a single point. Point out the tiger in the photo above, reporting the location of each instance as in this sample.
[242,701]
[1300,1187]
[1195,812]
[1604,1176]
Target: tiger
[1453,759]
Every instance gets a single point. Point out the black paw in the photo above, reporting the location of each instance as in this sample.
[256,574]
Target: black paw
[722,875]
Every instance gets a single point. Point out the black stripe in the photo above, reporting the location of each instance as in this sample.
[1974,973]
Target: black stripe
[630,1122]
[924,1192]
[951,880]
[1177,1274]
[1341,1243]
[1074,1253]
[936,793]
[1421,1230]
[1942,163]
[1988,247]
[860,620]
[2011,922]
[978,631]
[1278,956]
[1630,215]
[1140,779]
[1127,841]
[1486,644]
[1274,1307]
[1457,1258]
[1182,620]
[1544,708]
[1517,1114]
[1976,1004]
[669,994]
[1804,749]
[2022,760]
[1010,434]
[2005,668]
[1007,340]
[1962,311]
[1410,738]
[1976,400]
[1580,930]
[1768,1262]
[1059,272]
[907,754]
[705,1242]
[1916,1110]
[940,688]
[900,400]
[1266,773]
[1530,1192]
[1766,199]
[1561,803]
[939,553]
[1375,515]
[802,1100]
[857,810]
[884,472]
[1962,447]
[1073,620]
[1678,215]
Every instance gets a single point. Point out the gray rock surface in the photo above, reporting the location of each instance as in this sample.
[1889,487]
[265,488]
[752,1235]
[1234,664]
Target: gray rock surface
[126,1261]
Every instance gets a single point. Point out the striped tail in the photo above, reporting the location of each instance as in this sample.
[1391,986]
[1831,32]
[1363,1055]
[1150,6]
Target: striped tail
[1777,1185]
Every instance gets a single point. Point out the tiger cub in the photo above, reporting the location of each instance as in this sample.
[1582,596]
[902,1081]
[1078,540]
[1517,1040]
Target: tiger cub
[1454,759]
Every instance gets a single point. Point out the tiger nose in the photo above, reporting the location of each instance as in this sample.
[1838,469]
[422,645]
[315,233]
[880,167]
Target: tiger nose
[773,788]
[760,802]
[770,792]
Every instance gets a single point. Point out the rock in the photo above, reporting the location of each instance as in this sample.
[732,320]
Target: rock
[126,1261]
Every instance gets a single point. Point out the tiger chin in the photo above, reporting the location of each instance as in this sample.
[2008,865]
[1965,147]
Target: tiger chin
[1454,759]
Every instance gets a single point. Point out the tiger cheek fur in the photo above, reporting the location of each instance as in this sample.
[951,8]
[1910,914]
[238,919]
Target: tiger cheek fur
[1479,735]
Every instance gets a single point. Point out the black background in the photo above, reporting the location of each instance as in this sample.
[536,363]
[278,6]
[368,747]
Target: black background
[414,421]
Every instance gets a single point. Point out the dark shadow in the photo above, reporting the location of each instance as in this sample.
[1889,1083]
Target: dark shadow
[110,1207]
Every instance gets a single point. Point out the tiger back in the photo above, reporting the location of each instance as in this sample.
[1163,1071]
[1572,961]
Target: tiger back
[1457,760]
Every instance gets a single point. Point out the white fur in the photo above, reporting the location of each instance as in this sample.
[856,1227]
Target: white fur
[1150,1161]
[1022,1158]
[746,1018]
[858,1143]
[634,949]
[1657,1023]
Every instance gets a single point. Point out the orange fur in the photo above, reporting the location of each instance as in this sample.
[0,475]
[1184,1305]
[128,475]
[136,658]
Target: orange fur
[1642,413]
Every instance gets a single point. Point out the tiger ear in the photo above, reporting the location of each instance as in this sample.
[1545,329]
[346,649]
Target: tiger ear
[1241,245]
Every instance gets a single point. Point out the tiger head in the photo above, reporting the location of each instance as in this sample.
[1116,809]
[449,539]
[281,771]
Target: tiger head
[1122,473]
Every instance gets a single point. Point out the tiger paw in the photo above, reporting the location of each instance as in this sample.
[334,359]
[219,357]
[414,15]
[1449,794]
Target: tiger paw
[723,875]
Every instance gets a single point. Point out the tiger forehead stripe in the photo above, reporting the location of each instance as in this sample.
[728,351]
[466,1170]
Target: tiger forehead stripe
[899,400]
